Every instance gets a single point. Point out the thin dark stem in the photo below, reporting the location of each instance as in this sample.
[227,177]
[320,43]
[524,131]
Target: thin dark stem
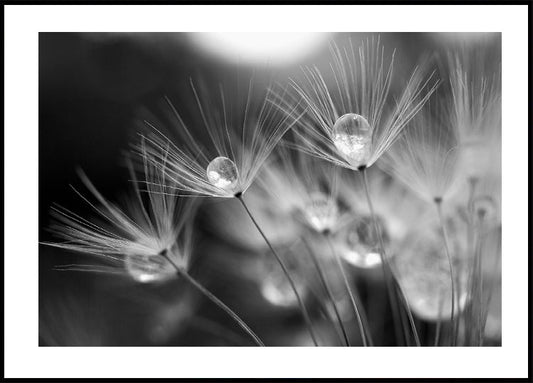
[438,203]
[478,270]
[384,262]
[403,321]
[472,183]
[325,284]
[215,300]
[479,294]
[305,313]
[485,308]
[439,324]
[355,306]
[437,333]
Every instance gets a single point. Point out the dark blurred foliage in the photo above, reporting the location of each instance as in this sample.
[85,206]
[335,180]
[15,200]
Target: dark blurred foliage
[91,89]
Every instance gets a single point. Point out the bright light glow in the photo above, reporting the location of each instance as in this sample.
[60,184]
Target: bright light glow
[365,261]
[260,48]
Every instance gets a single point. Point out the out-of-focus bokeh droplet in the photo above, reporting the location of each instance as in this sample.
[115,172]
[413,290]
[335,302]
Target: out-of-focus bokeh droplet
[277,290]
[321,212]
[359,244]
[425,278]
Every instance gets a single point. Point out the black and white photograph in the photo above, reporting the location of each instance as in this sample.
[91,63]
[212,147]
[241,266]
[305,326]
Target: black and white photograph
[347,193]
[221,190]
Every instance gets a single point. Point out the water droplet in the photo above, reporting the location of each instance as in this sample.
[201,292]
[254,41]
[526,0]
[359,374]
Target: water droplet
[425,276]
[148,268]
[352,136]
[277,290]
[222,173]
[321,212]
[359,243]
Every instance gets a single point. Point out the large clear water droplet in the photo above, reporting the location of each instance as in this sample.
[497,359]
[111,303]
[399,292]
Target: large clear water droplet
[352,136]
[321,212]
[424,274]
[359,243]
[148,268]
[222,173]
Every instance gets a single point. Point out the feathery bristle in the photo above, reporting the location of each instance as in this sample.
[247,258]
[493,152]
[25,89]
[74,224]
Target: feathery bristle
[152,221]
[425,157]
[234,128]
[360,83]
[476,112]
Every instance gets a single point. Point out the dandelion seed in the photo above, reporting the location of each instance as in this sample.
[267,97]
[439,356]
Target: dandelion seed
[239,145]
[151,241]
[425,158]
[349,121]
[313,188]
[304,188]
[321,212]
[476,113]
[361,84]
[241,133]
[133,238]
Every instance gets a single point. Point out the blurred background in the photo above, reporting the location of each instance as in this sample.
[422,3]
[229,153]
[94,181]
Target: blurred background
[92,89]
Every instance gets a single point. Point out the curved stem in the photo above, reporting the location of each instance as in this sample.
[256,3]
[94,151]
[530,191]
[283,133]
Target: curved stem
[471,232]
[384,262]
[305,313]
[480,312]
[355,306]
[439,324]
[215,300]
[479,295]
[325,284]
[438,203]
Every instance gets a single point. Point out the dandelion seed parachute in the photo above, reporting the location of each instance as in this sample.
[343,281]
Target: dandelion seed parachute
[132,239]
[304,188]
[425,157]
[351,116]
[474,96]
[238,150]
[425,160]
[321,212]
[233,136]
[481,213]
